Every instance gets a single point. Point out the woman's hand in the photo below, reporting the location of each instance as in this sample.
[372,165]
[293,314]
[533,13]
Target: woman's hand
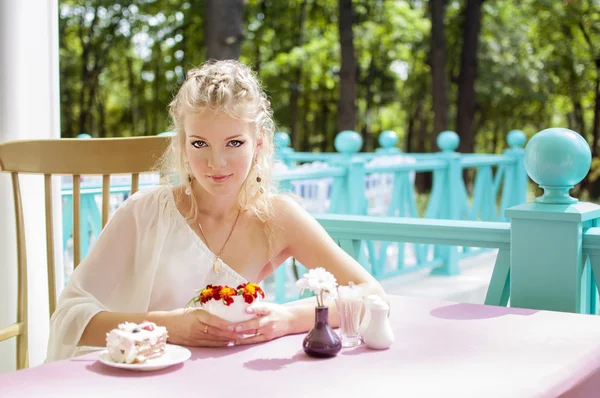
[197,327]
[273,321]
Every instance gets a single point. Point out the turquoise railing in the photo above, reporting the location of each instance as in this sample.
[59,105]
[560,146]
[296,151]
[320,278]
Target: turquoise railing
[508,183]
[492,193]
[548,251]
[351,231]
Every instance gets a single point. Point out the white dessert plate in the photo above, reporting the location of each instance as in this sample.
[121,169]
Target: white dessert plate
[173,355]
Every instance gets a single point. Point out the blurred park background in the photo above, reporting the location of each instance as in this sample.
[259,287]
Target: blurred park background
[480,68]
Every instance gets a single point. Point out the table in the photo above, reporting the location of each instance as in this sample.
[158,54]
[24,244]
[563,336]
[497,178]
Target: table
[442,349]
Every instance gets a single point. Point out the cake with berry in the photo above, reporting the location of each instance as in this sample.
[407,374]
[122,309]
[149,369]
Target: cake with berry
[136,343]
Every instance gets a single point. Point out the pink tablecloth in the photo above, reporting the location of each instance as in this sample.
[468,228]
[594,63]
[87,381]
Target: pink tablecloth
[442,349]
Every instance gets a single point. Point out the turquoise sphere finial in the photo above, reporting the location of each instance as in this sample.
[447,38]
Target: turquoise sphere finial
[557,159]
[448,141]
[282,140]
[516,139]
[348,142]
[84,136]
[388,139]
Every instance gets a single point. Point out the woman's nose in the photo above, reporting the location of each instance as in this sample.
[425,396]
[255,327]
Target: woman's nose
[216,160]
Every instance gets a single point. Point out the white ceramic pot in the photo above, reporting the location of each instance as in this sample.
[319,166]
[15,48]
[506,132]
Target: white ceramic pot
[236,312]
[379,334]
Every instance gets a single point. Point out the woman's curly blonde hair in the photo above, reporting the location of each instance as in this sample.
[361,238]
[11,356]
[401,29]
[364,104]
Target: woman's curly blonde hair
[232,88]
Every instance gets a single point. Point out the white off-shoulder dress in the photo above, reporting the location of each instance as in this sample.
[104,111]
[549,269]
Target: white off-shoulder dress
[147,258]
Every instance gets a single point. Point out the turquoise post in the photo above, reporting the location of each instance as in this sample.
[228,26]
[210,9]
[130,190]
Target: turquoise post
[402,203]
[450,204]
[547,271]
[514,188]
[387,142]
[354,201]
[282,141]
[282,148]
[348,143]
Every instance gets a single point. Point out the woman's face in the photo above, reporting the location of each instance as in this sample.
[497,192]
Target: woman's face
[220,150]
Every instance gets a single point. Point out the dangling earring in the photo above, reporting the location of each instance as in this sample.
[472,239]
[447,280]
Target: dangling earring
[188,189]
[258,179]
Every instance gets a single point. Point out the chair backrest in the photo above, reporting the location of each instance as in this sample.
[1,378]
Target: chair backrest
[74,157]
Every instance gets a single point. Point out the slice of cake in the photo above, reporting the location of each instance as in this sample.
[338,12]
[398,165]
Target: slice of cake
[133,343]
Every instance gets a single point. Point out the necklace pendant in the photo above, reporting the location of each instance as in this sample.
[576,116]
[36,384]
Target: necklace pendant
[217,265]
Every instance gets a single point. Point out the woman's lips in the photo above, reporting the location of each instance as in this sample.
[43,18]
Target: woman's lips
[220,178]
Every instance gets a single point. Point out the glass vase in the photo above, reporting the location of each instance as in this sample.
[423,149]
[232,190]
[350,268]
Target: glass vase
[322,341]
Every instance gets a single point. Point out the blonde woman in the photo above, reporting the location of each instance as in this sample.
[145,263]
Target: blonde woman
[225,225]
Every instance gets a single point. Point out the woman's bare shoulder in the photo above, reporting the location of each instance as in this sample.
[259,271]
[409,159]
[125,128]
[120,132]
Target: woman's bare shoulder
[286,208]
[291,218]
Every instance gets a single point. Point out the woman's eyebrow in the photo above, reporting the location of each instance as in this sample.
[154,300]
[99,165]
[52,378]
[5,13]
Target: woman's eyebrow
[204,139]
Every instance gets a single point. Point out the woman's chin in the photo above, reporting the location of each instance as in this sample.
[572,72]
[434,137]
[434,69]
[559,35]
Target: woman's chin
[223,190]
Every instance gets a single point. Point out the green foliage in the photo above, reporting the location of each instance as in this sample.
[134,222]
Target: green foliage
[536,68]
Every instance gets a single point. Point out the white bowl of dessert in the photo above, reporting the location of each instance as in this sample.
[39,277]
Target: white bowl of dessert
[234,312]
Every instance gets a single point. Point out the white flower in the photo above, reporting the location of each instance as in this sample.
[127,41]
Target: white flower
[320,282]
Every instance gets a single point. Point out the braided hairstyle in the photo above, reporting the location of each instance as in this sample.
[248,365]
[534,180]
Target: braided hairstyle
[230,87]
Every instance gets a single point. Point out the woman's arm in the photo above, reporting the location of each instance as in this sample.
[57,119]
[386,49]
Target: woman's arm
[103,322]
[308,242]
[303,238]
[185,327]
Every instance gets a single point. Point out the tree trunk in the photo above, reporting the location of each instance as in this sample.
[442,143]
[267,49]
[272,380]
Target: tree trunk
[467,75]
[420,128]
[295,84]
[86,43]
[437,9]
[347,99]
[223,28]
[83,108]
[330,122]
[94,82]
[368,84]
[575,119]
[306,144]
[410,133]
[497,139]
[67,120]
[596,126]
[258,36]
[102,130]
[156,102]
[133,95]
[324,121]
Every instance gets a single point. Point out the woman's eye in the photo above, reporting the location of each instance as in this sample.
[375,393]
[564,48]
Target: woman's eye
[198,144]
[236,143]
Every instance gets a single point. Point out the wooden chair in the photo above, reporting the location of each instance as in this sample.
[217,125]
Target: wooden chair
[75,157]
